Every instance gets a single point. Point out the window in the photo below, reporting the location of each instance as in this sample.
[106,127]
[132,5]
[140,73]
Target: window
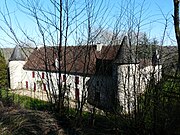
[34,87]
[77,94]
[97,96]
[42,75]
[33,74]
[76,80]
[44,85]
[128,69]
[104,67]
[64,78]
[58,81]
[97,83]
[26,84]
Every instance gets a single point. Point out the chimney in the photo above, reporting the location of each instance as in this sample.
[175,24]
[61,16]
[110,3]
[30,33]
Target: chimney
[99,47]
[56,63]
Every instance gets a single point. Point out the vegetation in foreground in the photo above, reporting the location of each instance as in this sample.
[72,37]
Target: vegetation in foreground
[24,115]
[158,113]
[15,121]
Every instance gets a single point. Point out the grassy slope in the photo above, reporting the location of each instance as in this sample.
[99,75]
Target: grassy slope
[20,116]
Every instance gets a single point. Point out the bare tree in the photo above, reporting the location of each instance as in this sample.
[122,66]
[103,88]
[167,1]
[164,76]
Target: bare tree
[61,20]
[176,26]
[52,23]
[56,24]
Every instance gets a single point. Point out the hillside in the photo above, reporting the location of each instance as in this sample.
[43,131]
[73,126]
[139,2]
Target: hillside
[8,51]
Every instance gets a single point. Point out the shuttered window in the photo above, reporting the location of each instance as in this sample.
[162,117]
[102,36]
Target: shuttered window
[44,85]
[77,94]
[33,74]
[76,80]
[34,87]
[42,75]
[26,84]
[64,78]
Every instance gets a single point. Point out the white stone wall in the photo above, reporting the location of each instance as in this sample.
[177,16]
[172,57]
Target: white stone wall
[52,81]
[127,85]
[21,79]
[16,74]
[148,71]
[132,81]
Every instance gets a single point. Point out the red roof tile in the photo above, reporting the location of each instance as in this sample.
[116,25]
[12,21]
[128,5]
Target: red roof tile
[79,59]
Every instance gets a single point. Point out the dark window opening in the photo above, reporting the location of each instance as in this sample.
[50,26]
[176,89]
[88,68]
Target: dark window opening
[33,74]
[97,96]
[42,75]
[44,85]
[77,94]
[34,87]
[104,67]
[64,78]
[76,80]
[97,83]
[26,84]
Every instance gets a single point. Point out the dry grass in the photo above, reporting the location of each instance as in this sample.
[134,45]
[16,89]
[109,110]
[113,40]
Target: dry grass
[27,122]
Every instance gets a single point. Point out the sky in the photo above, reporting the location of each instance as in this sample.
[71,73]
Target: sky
[155,14]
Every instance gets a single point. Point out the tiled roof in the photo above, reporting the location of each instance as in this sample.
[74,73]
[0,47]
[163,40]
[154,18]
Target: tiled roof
[7,52]
[125,54]
[79,59]
[17,54]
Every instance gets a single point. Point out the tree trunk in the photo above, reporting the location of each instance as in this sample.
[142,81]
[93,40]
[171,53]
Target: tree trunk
[176,27]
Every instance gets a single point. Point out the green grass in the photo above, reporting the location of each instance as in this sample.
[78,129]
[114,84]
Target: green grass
[24,101]
[101,123]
